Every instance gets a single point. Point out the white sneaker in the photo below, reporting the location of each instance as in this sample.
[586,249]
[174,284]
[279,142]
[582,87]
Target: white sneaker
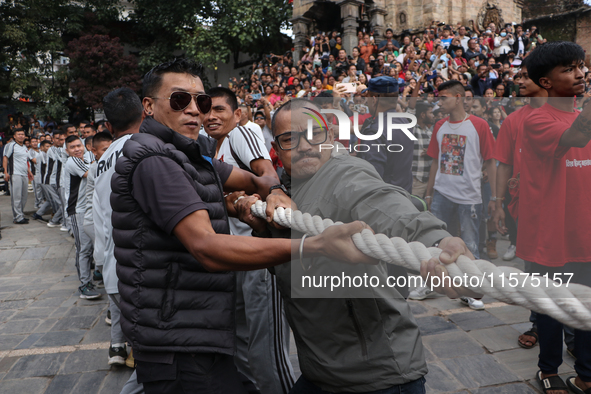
[510,253]
[477,305]
[49,224]
[63,228]
[420,293]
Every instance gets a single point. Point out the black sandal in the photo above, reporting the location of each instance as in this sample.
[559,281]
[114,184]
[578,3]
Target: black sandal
[553,383]
[576,389]
[532,333]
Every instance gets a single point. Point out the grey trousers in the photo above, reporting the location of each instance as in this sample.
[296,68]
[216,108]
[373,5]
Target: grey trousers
[67,222]
[56,203]
[262,333]
[46,205]
[19,190]
[38,194]
[116,333]
[83,249]
[132,386]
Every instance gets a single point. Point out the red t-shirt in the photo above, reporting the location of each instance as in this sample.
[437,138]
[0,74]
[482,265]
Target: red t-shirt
[555,192]
[508,149]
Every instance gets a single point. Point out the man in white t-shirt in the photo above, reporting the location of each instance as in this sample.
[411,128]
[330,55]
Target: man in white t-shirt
[245,122]
[123,110]
[263,120]
[261,329]
[74,184]
[16,171]
[35,164]
[459,146]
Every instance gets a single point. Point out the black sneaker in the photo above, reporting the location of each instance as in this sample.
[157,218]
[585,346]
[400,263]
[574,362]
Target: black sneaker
[22,221]
[87,291]
[97,276]
[38,217]
[108,318]
[117,354]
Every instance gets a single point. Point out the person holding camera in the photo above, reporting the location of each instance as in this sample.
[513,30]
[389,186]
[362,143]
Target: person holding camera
[503,45]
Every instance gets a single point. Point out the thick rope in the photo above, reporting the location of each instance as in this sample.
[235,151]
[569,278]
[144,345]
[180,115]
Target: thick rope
[570,304]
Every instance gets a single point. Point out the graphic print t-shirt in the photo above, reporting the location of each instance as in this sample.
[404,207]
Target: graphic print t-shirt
[74,183]
[247,146]
[460,148]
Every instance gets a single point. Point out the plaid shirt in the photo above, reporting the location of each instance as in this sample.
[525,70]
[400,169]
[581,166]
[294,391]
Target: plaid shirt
[421,165]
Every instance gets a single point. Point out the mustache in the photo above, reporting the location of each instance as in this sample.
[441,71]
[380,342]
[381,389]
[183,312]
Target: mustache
[306,155]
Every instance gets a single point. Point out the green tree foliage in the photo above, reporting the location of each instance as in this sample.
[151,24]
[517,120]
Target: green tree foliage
[154,24]
[30,36]
[227,27]
[98,65]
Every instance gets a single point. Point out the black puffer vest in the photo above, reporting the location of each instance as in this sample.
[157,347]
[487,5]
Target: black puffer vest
[169,302]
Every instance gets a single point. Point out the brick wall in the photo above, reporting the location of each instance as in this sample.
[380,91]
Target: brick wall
[584,35]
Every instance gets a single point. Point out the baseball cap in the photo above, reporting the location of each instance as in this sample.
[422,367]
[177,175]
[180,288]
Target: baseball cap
[383,84]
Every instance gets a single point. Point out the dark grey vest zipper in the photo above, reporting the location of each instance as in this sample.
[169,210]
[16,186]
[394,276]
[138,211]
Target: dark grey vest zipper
[362,341]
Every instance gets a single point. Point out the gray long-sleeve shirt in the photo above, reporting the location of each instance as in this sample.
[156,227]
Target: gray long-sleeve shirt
[355,339]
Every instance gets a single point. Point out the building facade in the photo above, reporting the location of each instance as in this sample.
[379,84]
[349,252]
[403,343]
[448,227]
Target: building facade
[350,16]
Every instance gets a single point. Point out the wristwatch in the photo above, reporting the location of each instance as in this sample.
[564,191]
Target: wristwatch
[283,189]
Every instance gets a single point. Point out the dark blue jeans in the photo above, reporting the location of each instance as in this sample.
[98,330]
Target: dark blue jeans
[304,386]
[469,215]
[550,330]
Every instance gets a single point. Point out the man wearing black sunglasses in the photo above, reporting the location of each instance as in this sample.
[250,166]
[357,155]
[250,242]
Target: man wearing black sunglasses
[174,254]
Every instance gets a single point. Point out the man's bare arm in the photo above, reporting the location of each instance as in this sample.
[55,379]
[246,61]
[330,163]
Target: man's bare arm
[222,252]
[240,180]
[504,172]
[264,167]
[579,133]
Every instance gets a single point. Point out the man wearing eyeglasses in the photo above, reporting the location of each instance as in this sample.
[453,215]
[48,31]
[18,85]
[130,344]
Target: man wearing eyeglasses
[353,340]
[172,244]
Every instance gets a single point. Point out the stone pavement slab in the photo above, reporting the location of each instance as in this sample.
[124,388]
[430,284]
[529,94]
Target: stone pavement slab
[480,370]
[524,362]
[517,388]
[497,338]
[37,365]
[473,320]
[452,344]
[29,386]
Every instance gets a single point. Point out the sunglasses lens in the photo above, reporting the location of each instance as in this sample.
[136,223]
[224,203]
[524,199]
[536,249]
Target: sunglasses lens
[204,103]
[180,100]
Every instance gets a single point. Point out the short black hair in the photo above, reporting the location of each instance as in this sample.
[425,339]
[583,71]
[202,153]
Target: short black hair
[481,101]
[123,108]
[101,137]
[17,130]
[456,86]
[89,126]
[59,131]
[71,138]
[88,141]
[153,78]
[296,103]
[545,58]
[526,62]
[67,126]
[226,93]
[82,121]
[45,142]
[422,107]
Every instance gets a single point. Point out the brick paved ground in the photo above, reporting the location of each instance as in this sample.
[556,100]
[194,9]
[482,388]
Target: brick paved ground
[51,341]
